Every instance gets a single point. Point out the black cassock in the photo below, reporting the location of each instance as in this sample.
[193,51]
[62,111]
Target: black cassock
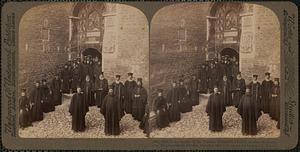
[118,89]
[225,89]
[215,109]
[47,99]
[129,87]
[250,113]
[101,89]
[185,100]
[66,77]
[78,109]
[162,119]
[88,95]
[275,103]
[56,92]
[194,92]
[238,88]
[144,124]
[139,101]
[173,104]
[255,90]
[76,79]
[235,69]
[24,116]
[212,77]
[36,111]
[203,80]
[111,109]
[266,95]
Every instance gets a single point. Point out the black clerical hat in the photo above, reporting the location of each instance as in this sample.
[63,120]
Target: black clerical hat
[101,73]
[118,76]
[23,90]
[239,72]
[139,79]
[44,80]
[160,90]
[130,74]
[276,79]
[37,81]
[255,75]
[268,73]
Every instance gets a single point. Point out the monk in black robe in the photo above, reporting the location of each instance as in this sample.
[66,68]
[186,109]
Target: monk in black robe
[250,113]
[46,97]
[266,93]
[275,102]
[56,91]
[213,77]
[255,90]
[203,79]
[185,102]
[235,69]
[144,124]
[225,89]
[173,103]
[111,109]
[193,91]
[239,87]
[66,77]
[160,108]
[215,109]
[24,115]
[118,90]
[78,109]
[97,69]
[130,84]
[88,88]
[101,89]
[139,100]
[76,77]
[36,110]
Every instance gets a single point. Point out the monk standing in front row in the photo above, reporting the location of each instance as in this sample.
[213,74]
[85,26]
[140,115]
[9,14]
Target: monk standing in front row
[111,109]
[215,109]
[78,109]
[249,111]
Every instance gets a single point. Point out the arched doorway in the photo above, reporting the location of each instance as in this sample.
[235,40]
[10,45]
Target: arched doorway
[94,53]
[230,52]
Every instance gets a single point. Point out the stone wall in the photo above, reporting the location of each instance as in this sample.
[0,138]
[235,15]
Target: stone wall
[129,50]
[34,62]
[264,53]
[168,60]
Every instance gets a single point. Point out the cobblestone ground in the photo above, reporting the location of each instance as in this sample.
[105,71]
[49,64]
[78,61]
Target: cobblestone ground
[57,124]
[195,124]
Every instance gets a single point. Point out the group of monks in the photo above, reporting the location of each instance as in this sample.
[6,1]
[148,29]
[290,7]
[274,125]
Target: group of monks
[229,90]
[89,88]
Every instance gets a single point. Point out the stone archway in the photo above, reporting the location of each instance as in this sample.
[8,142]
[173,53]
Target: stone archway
[232,53]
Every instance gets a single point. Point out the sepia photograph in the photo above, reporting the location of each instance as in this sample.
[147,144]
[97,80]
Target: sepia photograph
[83,71]
[215,71]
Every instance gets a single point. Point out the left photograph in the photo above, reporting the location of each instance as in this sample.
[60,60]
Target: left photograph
[83,71]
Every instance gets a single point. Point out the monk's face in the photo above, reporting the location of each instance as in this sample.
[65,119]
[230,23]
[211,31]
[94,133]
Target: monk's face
[139,83]
[276,82]
[159,94]
[174,84]
[216,90]
[247,90]
[37,84]
[87,78]
[101,76]
[254,78]
[110,91]
[78,90]
[23,94]
[224,78]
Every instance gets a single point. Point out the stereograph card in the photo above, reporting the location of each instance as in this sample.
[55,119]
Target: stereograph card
[149,75]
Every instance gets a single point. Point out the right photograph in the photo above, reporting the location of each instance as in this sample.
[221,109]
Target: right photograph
[214,71]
